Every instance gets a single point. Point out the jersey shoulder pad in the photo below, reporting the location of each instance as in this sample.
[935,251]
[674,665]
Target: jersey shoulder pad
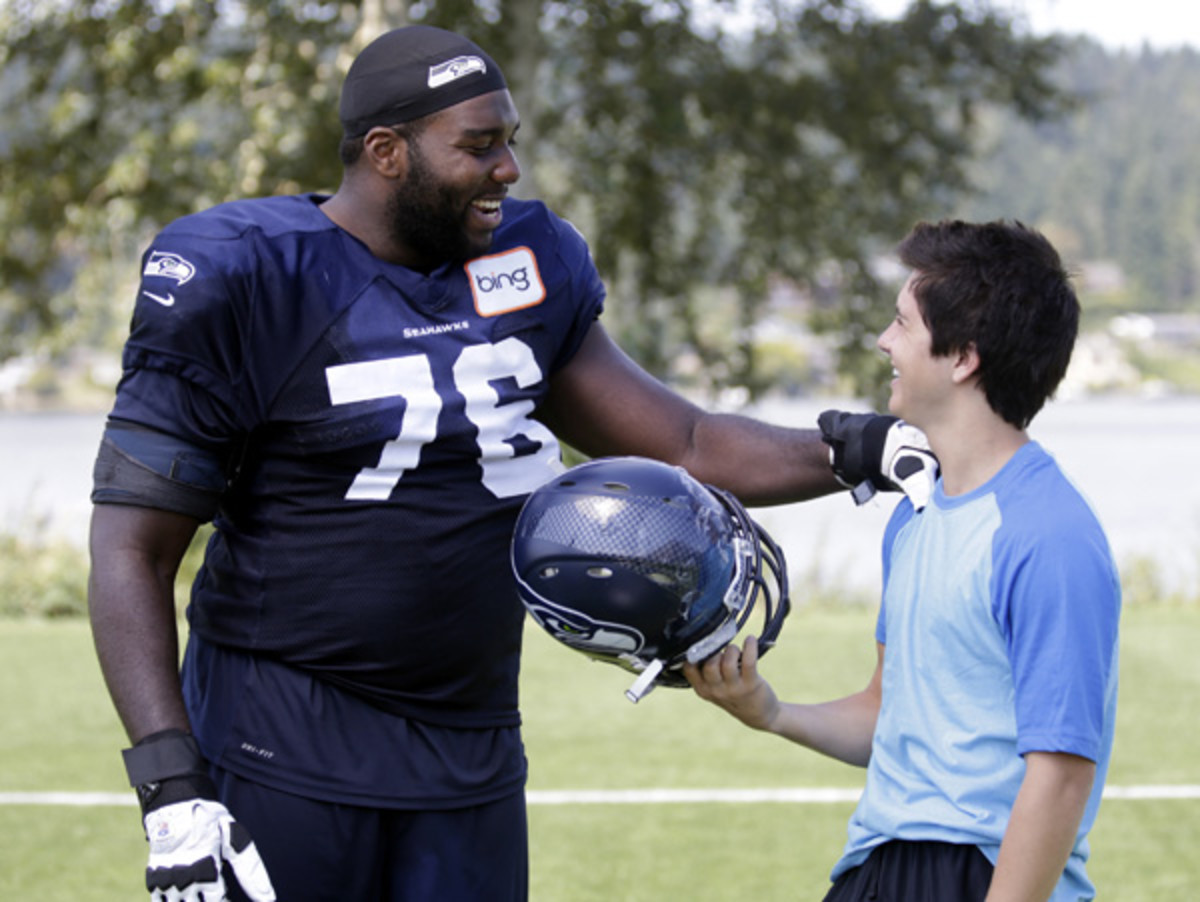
[272,216]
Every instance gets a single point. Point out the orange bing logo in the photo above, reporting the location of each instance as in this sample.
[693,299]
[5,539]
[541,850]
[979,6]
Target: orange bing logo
[504,282]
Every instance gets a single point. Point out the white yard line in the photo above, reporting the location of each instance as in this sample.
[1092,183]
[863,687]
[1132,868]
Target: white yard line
[796,795]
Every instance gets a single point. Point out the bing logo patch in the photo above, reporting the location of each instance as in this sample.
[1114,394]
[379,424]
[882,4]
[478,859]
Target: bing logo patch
[501,283]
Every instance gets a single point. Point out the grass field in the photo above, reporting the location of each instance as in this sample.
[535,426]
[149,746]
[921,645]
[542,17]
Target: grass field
[59,734]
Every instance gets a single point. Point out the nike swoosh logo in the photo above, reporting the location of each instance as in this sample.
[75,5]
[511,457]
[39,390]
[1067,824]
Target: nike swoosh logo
[167,301]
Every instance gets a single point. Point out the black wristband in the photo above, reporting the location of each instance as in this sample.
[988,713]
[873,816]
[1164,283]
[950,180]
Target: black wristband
[167,767]
[171,753]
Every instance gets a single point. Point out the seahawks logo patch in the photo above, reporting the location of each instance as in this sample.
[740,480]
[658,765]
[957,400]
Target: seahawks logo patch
[169,266]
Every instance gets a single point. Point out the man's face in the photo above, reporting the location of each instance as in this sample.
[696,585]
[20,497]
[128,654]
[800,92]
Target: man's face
[920,381]
[459,169]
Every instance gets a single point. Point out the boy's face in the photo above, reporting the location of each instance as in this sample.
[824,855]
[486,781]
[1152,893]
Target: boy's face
[920,382]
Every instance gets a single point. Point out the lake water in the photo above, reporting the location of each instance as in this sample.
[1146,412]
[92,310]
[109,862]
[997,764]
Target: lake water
[1137,460]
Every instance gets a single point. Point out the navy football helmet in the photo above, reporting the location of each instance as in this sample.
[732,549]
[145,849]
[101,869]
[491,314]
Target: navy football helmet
[634,562]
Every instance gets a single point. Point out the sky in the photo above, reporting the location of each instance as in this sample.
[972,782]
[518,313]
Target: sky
[1117,24]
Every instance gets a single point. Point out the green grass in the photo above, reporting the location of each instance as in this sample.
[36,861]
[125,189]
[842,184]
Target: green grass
[41,576]
[60,734]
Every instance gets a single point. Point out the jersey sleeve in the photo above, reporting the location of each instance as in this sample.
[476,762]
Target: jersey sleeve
[1059,617]
[587,289]
[185,359]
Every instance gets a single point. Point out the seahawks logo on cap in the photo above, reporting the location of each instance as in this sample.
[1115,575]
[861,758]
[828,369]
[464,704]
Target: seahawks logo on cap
[452,70]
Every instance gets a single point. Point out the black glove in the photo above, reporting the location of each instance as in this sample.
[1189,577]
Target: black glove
[190,832]
[872,452]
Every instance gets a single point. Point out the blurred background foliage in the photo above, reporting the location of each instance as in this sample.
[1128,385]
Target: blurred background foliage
[738,168]
[702,160]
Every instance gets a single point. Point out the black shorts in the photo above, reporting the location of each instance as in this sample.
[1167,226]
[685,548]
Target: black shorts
[901,871]
[323,852]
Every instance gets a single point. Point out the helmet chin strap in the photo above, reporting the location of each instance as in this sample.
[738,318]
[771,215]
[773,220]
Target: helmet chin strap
[644,684]
[711,643]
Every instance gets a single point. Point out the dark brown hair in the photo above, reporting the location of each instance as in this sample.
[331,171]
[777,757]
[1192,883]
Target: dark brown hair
[1000,286]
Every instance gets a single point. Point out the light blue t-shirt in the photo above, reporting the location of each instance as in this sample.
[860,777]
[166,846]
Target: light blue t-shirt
[999,616]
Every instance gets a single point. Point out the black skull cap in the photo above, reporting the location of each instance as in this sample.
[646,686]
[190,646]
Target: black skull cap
[411,72]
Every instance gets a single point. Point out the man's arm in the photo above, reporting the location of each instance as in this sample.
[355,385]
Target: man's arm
[842,729]
[135,554]
[131,601]
[1042,830]
[602,403]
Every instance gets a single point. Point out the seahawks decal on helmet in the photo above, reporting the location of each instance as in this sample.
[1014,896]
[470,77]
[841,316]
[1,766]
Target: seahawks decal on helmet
[582,632]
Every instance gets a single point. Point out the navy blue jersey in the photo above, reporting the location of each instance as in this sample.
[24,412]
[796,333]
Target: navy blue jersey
[378,432]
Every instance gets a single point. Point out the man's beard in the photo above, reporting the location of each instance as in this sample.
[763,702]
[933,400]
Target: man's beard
[427,219]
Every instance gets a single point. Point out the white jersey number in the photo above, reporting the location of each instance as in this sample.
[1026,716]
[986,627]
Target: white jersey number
[499,423]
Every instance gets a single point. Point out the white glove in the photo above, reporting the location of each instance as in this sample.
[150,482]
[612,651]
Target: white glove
[909,463]
[188,842]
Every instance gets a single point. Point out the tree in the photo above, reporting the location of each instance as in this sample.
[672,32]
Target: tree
[124,114]
[701,160]
[1119,181]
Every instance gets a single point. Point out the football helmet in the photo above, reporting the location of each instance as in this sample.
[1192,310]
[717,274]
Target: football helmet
[634,562]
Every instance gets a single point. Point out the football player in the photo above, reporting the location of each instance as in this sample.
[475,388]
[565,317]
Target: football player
[359,390]
[987,726]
